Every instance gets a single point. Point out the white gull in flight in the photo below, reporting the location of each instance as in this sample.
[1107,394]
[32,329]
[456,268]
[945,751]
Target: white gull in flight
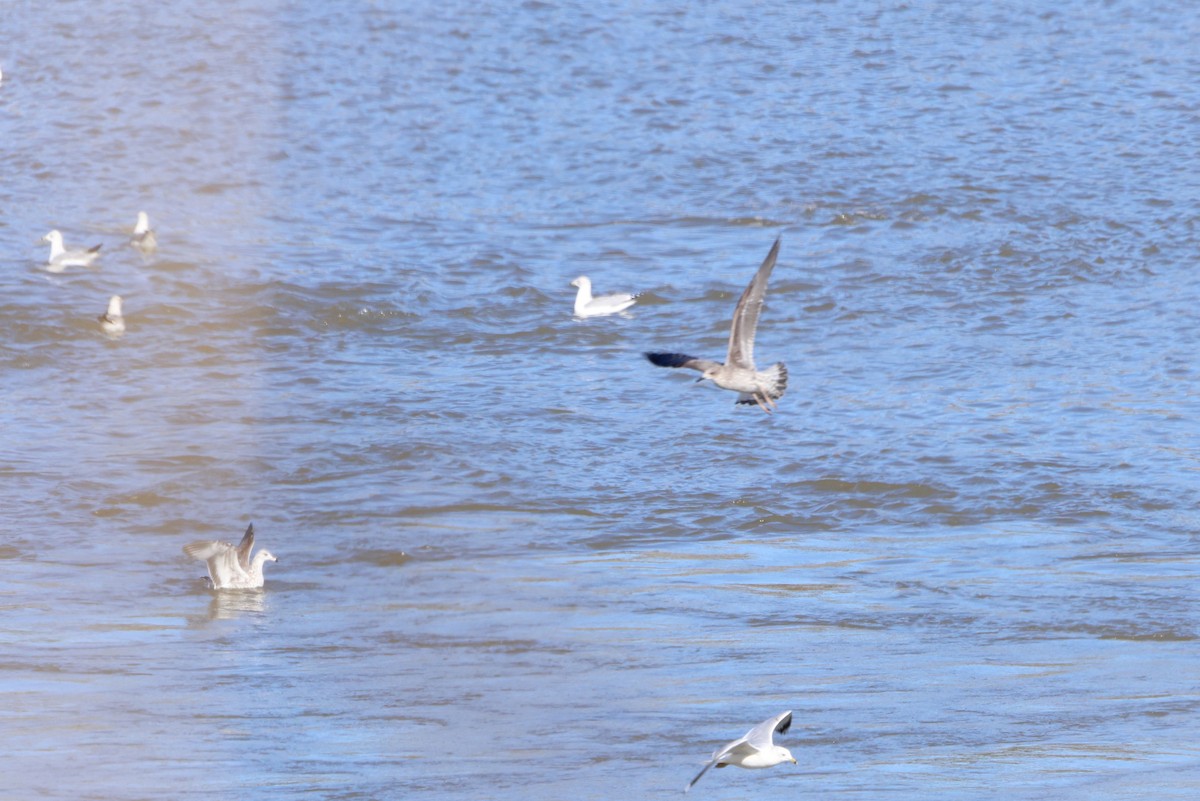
[231,567]
[588,306]
[61,258]
[755,749]
[738,373]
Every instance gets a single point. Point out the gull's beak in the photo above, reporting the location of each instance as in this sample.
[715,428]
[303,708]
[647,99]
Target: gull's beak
[794,762]
[698,380]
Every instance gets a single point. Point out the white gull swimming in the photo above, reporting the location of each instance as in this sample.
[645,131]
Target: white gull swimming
[111,321]
[143,237]
[588,306]
[231,567]
[738,373]
[755,749]
[62,258]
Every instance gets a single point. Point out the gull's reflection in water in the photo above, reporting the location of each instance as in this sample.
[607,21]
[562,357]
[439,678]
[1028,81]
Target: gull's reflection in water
[230,604]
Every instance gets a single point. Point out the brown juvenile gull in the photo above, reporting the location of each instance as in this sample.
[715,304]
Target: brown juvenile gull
[588,306]
[738,373]
[230,567]
[755,749]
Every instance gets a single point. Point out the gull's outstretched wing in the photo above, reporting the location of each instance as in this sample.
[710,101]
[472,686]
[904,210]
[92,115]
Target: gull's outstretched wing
[757,739]
[680,360]
[245,547]
[206,549]
[763,735]
[745,315]
[221,557]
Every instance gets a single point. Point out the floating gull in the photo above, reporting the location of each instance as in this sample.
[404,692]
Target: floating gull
[111,321]
[61,258]
[756,749]
[143,237]
[588,306]
[230,567]
[763,387]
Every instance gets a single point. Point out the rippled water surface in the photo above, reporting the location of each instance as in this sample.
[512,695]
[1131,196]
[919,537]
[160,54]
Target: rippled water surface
[518,561]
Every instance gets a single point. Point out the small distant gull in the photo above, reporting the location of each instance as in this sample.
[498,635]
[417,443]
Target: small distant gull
[738,373]
[61,258]
[111,321]
[756,749]
[231,567]
[143,237]
[588,306]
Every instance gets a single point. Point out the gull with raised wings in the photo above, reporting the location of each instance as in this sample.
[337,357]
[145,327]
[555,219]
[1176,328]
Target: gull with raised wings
[738,373]
[755,749]
[229,566]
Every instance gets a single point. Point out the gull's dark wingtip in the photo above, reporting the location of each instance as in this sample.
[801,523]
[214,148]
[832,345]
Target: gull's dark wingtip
[773,253]
[785,722]
[668,359]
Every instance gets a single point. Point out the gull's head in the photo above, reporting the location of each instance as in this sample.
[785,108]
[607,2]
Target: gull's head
[709,373]
[267,556]
[784,754]
[52,237]
[583,282]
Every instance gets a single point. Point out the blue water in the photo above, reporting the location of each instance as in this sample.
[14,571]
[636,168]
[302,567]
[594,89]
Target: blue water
[517,560]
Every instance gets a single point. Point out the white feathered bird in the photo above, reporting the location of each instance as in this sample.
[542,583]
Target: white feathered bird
[229,566]
[61,257]
[755,749]
[588,306]
[143,237]
[111,321]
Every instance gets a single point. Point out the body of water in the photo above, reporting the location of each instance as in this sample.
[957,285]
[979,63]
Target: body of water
[516,559]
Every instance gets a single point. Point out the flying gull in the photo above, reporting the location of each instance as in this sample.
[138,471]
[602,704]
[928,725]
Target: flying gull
[738,373]
[756,749]
[61,258]
[143,237]
[231,567]
[111,321]
[588,306]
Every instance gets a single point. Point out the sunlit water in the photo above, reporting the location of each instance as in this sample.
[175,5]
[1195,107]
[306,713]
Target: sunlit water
[518,561]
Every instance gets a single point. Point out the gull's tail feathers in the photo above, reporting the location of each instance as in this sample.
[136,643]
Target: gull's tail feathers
[775,380]
[698,775]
